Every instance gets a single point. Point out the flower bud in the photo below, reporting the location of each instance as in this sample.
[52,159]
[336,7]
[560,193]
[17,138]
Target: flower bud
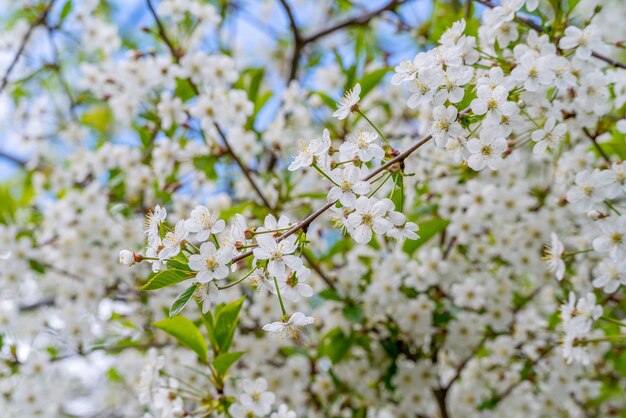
[127,257]
[594,215]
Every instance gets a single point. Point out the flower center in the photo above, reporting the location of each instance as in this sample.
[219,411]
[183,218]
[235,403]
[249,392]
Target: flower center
[486,150]
[211,264]
[617,238]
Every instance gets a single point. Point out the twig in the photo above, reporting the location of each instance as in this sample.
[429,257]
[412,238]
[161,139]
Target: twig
[593,140]
[12,159]
[532,24]
[358,20]
[301,41]
[175,53]
[40,19]
[243,167]
[319,270]
[297,41]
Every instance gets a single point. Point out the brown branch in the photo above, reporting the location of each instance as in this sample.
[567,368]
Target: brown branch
[12,159]
[40,19]
[358,20]
[534,25]
[297,41]
[243,167]
[597,146]
[59,71]
[176,56]
[301,41]
[162,33]
[319,270]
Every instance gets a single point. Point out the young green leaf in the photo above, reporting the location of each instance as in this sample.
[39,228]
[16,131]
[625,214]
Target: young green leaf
[165,278]
[186,333]
[226,317]
[224,361]
[181,301]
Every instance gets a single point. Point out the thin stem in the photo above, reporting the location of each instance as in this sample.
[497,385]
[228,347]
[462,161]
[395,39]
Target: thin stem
[40,20]
[380,185]
[217,244]
[372,125]
[280,299]
[612,321]
[573,253]
[238,281]
[319,170]
[612,207]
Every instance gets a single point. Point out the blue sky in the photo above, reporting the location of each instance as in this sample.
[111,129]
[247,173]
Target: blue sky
[247,33]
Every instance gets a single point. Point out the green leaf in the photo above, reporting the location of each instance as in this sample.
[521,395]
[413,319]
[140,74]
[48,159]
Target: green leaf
[207,320]
[67,8]
[206,164]
[328,101]
[427,230]
[335,345]
[99,117]
[181,301]
[371,80]
[184,91]
[166,278]
[226,318]
[224,361]
[186,333]
[398,191]
[353,313]
[330,294]
[256,78]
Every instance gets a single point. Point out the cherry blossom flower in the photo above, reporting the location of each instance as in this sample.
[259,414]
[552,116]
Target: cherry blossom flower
[211,263]
[548,137]
[126,257]
[493,103]
[171,110]
[311,151]
[370,214]
[554,257]
[445,125]
[204,222]
[255,399]
[292,327]
[206,293]
[609,275]
[361,146]
[278,254]
[172,241]
[153,220]
[349,185]
[486,151]
[583,40]
[347,104]
[613,238]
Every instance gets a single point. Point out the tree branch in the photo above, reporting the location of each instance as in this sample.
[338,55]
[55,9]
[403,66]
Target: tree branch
[38,21]
[297,41]
[358,20]
[12,159]
[534,25]
[597,146]
[301,41]
[162,33]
